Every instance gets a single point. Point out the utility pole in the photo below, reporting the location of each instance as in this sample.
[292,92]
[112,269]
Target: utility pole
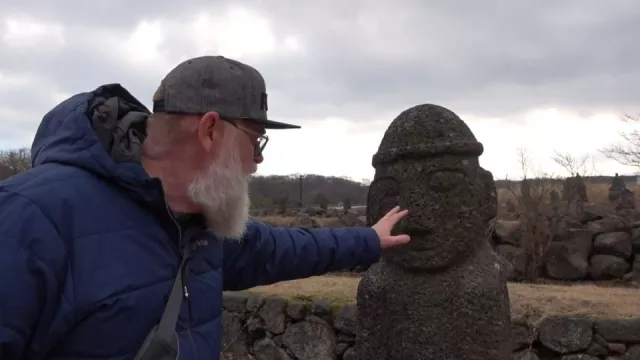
[300,203]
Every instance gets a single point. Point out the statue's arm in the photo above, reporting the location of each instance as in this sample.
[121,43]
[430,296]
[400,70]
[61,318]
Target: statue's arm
[371,316]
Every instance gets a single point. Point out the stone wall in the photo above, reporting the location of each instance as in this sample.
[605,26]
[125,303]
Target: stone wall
[273,328]
[600,248]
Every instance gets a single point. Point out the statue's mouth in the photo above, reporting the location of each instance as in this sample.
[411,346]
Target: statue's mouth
[413,231]
[420,239]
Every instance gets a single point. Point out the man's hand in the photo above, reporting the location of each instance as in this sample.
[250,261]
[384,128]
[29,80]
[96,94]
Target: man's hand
[385,225]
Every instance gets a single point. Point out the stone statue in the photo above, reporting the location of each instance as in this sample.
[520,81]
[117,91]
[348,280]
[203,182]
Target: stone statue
[620,195]
[617,186]
[575,190]
[443,295]
[580,189]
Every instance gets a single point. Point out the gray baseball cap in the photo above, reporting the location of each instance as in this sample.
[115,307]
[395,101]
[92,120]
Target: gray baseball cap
[214,83]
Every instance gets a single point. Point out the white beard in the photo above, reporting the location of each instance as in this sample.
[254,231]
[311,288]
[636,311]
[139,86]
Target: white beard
[223,191]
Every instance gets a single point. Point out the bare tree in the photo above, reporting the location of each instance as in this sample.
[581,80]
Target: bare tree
[585,164]
[626,152]
[14,162]
[523,161]
[535,228]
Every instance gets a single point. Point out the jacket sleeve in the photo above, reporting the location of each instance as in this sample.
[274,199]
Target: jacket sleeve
[271,254]
[30,251]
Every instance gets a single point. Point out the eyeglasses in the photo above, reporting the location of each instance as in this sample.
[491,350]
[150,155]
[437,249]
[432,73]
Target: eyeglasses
[261,139]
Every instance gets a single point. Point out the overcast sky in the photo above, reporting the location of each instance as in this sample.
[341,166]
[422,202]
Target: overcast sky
[543,76]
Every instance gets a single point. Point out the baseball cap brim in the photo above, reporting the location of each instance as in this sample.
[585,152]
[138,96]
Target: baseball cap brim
[273,125]
[159,106]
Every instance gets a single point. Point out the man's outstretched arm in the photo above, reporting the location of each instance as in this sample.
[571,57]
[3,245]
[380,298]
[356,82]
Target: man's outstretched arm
[271,254]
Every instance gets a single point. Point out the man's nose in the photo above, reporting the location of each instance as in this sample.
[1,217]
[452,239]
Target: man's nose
[258,159]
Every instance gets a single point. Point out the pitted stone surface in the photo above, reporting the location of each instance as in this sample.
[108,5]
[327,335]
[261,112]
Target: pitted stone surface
[447,284]
[272,312]
[266,349]
[566,335]
[311,339]
[297,310]
[346,320]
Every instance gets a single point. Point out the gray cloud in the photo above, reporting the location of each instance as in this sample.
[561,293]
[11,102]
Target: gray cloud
[470,54]
[107,14]
[362,58]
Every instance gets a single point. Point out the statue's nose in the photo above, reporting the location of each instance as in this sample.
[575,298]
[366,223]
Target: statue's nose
[446,181]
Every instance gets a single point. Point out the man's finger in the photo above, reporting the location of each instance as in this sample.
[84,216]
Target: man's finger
[398,216]
[401,239]
[396,240]
[392,211]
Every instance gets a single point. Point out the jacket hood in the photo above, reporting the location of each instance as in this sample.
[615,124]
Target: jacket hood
[100,132]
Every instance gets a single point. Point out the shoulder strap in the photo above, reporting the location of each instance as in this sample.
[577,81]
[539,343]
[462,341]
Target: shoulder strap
[162,342]
[167,325]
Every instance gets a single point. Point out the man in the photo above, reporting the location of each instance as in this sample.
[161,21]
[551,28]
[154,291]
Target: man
[92,236]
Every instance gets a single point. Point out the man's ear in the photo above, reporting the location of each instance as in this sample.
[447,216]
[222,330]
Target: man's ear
[210,130]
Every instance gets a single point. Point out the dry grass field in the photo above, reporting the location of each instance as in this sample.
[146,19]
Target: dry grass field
[529,302]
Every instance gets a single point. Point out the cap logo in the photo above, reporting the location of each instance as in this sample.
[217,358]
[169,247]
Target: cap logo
[263,102]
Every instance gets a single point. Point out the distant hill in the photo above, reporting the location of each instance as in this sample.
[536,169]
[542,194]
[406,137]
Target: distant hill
[269,190]
[601,180]
[273,189]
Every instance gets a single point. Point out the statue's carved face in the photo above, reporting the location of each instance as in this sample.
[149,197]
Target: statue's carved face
[449,205]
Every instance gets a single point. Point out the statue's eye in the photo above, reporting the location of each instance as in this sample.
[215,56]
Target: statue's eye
[445,181]
[384,194]
[385,187]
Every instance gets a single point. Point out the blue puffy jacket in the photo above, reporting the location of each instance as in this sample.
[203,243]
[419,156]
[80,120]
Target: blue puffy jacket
[89,251]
